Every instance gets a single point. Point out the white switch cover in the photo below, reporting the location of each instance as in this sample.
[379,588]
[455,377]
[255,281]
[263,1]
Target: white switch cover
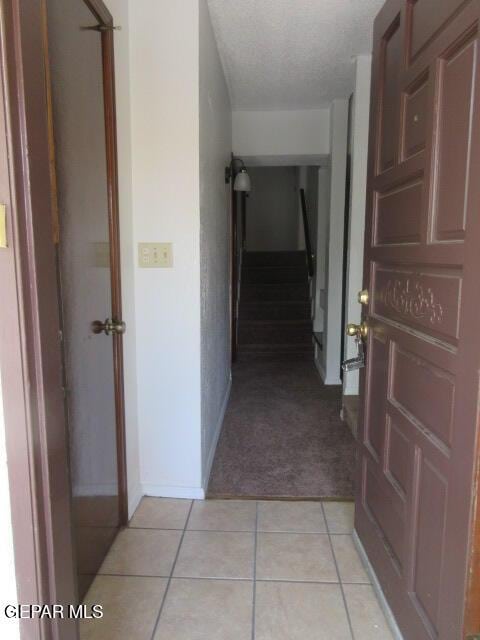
[155,255]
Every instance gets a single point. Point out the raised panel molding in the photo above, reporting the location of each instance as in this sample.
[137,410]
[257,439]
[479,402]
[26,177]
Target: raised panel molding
[428,300]
[453,150]
[426,17]
[397,217]
[389,120]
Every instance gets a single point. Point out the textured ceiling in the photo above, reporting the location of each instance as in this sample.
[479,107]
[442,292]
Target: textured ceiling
[291,54]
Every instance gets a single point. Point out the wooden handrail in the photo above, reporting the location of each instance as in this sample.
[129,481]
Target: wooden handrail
[306,229]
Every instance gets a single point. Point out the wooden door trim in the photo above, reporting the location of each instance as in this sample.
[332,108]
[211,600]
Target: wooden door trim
[30,349]
[115,260]
[101,12]
[472,600]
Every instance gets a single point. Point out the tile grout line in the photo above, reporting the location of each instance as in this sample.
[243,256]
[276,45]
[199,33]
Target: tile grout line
[286,533]
[338,572]
[229,579]
[255,571]
[167,588]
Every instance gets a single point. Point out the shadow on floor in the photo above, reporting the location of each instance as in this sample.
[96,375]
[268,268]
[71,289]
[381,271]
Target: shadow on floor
[282,436]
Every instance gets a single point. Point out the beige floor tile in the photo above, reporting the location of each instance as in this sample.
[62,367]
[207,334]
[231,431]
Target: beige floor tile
[367,618]
[130,607]
[223,515]
[207,610]
[213,554]
[142,552]
[339,516]
[299,517]
[287,611]
[294,556]
[161,513]
[349,563]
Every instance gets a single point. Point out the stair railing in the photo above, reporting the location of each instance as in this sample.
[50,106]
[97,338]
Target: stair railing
[308,241]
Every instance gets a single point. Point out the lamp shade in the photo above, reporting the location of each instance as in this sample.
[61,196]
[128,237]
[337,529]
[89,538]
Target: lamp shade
[242,181]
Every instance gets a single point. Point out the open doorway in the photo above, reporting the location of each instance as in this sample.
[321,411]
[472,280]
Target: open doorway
[283,436]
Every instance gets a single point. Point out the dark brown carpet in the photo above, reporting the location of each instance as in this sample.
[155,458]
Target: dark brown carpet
[282,436]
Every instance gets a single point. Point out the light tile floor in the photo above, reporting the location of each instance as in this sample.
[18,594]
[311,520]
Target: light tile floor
[235,570]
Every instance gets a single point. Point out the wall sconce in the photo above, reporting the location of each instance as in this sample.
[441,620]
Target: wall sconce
[238,171]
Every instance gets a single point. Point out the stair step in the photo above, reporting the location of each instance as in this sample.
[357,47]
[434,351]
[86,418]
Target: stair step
[295,292]
[275,350]
[281,356]
[274,275]
[277,311]
[274,258]
[275,333]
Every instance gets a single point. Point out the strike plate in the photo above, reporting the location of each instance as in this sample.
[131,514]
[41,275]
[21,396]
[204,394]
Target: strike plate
[3,226]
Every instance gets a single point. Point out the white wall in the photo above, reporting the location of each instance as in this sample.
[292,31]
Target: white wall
[215,152]
[272,205]
[324,179]
[9,629]
[360,127]
[277,133]
[328,360]
[164,68]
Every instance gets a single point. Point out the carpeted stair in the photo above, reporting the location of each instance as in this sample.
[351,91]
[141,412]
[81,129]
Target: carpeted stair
[275,309]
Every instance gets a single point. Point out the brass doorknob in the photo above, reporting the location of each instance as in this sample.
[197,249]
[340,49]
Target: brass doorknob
[360,330]
[363,297]
[109,327]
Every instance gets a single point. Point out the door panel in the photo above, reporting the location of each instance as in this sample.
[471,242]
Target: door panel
[420,388]
[87,243]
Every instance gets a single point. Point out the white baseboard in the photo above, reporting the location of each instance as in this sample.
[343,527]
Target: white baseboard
[218,430]
[166,491]
[320,369]
[392,623]
[135,494]
[323,374]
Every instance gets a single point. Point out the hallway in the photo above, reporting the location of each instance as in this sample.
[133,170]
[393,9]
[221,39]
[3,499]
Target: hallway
[283,436]
[236,570]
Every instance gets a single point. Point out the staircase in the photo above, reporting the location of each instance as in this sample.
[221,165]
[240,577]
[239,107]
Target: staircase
[275,311]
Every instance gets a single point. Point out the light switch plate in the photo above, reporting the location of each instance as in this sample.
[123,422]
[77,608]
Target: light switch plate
[155,255]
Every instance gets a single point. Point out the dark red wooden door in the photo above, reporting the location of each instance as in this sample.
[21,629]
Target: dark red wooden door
[422,268]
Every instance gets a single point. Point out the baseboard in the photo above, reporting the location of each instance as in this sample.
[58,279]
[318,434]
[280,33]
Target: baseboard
[166,491]
[218,430]
[135,494]
[327,381]
[392,623]
[320,370]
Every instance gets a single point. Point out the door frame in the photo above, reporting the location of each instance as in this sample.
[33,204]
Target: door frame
[30,349]
[30,338]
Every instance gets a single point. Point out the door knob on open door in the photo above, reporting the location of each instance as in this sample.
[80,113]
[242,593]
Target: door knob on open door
[109,327]
[359,330]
